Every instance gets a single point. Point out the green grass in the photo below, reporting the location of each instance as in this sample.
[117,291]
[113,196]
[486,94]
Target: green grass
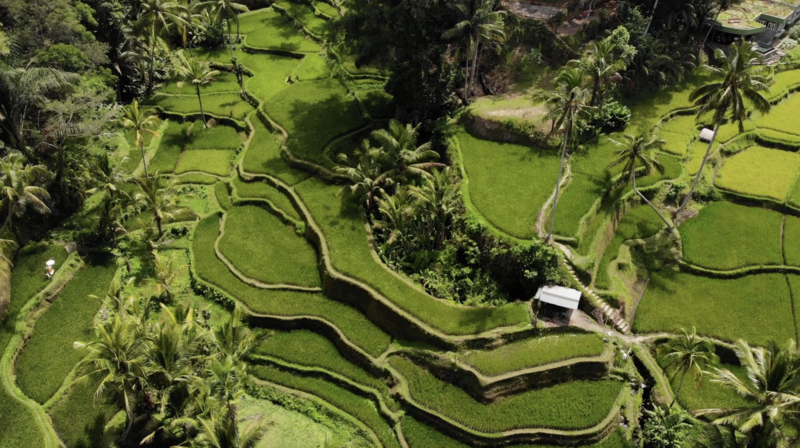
[222,195]
[697,151]
[48,355]
[728,236]
[209,161]
[224,105]
[304,14]
[534,352]
[508,184]
[791,243]
[672,166]
[313,113]
[216,137]
[782,117]
[313,67]
[307,348]
[783,83]
[79,419]
[224,82]
[169,150]
[728,132]
[326,9]
[264,248]
[361,408]
[709,395]
[271,73]
[575,405]
[681,124]
[755,308]
[378,103]
[794,195]
[676,144]
[639,222]
[343,225]
[762,172]
[263,156]
[420,435]
[267,29]
[262,190]
[648,110]
[357,328]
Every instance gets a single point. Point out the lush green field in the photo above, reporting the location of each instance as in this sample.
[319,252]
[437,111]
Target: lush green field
[264,248]
[48,355]
[794,195]
[639,222]
[647,111]
[534,352]
[791,242]
[782,117]
[783,83]
[169,150]
[357,328]
[672,169]
[271,73]
[420,435]
[263,156]
[755,308]
[326,9]
[262,190]
[216,137]
[709,395]
[676,144]
[728,236]
[224,82]
[321,106]
[312,67]
[762,172]
[361,408]
[267,29]
[301,12]
[697,151]
[343,225]
[209,161]
[222,195]
[307,348]
[575,405]
[79,419]
[224,105]
[729,131]
[508,184]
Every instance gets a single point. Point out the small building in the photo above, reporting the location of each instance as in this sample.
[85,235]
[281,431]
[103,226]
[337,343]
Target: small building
[559,296]
[760,20]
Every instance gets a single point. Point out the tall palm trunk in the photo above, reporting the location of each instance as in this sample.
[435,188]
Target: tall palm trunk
[675,398]
[158,224]
[646,30]
[633,179]
[700,173]
[558,183]
[232,417]
[200,100]
[141,148]
[151,70]
[711,28]
[474,63]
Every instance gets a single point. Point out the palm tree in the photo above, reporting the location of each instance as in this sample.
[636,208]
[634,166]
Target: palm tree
[141,121]
[166,271]
[771,388]
[18,189]
[396,216]
[476,21]
[116,355]
[687,352]
[650,22]
[219,432]
[233,339]
[190,13]
[365,174]
[602,64]
[198,73]
[402,155]
[436,198]
[156,16]
[635,152]
[227,379]
[114,200]
[566,104]
[161,201]
[228,11]
[741,77]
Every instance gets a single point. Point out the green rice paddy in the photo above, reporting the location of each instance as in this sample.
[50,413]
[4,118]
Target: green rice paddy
[744,173]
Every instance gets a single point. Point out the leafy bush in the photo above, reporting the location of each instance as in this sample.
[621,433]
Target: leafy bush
[752,236]
[267,29]
[718,306]
[262,190]
[66,57]
[264,248]
[611,117]
[263,156]
[640,222]
[788,44]
[209,161]
[762,172]
[534,352]
[576,405]
[356,328]
[48,355]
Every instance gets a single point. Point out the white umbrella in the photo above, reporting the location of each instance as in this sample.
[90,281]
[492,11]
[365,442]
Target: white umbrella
[50,263]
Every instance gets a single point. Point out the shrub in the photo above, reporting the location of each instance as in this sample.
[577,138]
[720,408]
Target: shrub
[534,352]
[762,172]
[356,328]
[209,161]
[611,117]
[65,57]
[576,405]
[788,44]
[263,156]
[48,355]
[728,236]
[264,248]
[718,307]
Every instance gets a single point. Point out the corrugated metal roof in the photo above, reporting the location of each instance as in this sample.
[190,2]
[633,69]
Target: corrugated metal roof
[559,296]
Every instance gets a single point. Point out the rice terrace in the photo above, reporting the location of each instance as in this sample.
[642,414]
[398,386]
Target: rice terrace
[400,224]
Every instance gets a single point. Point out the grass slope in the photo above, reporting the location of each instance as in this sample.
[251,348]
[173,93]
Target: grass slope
[224,105]
[215,137]
[264,248]
[209,161]
[343,225]
[640,222]
[762,172]
[267,29]
[169,150]
[79,419]
[791,243]
[270,74]
[263,156]
[262,190]
[305,15]
[709,395]
[313,67]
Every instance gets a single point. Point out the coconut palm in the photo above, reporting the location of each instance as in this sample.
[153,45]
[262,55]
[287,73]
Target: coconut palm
[566,104]
[233,339]
[401,155]
[141,120]
[365,173]
[476,22]
[650,22]
[217,431]
[166,272]
[155,18]
[198,73]
[687,352]
[114,200]
[636,152]
[742,77]
[190,12]
[397,217]
[161,201]
[228,11]
[18,190]
[436,200]
[771,389]
[602,64]
[227,379]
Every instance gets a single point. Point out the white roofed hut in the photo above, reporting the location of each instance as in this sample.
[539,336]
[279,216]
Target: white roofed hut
[567,299]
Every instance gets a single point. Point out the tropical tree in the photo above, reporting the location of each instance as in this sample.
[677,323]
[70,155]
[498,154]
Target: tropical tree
[190,12]
[650,22]
[665,427]
[396,213]
[233,339]
[217,431]
[198,73]
[566,105]
[738,83]
[365,173]
[687,352]
[18,189]
[602,64]
[161,201]
[141,120]
[477,21]
[401,155]
[228,11]
[436,199]
[155,18]
[637,152]
[110,176]
[771,388]
[167,270]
